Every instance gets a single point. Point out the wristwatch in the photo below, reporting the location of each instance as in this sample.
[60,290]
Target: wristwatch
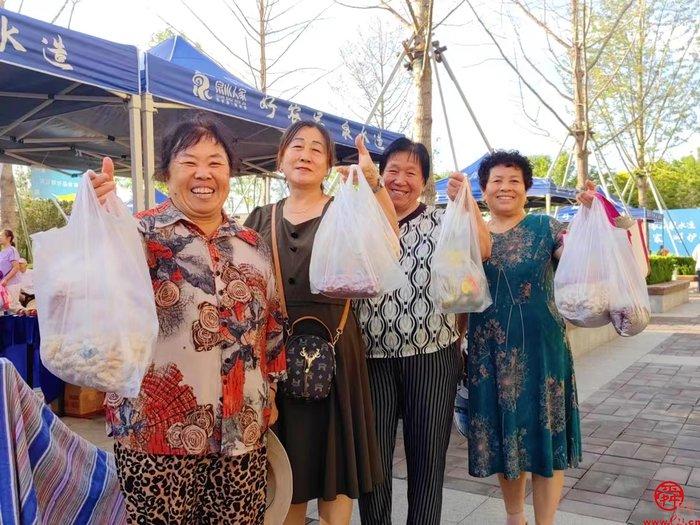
[379,185]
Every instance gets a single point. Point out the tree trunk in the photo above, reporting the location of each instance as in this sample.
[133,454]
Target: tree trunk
[8,205]
[580,127]
[423,85]
[640,123]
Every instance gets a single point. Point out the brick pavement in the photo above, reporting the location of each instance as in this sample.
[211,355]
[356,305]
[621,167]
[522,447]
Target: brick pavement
[641,428]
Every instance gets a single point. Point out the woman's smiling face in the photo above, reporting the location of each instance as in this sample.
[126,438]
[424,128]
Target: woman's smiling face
[198,179]
[505,191]
[305,160]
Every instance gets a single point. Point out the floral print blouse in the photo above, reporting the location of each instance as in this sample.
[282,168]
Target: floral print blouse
[219,347]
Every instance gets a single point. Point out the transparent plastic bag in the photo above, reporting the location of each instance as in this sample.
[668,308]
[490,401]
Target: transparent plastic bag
[630,309]
[581,283]
[598,280]
[94,297]
[458,281]
[356,251]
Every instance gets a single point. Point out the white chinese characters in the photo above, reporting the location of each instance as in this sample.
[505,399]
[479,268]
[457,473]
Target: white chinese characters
[7,36]
[60,55]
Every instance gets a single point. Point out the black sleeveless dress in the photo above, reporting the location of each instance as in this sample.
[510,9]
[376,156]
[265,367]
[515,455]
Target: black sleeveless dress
[331,444]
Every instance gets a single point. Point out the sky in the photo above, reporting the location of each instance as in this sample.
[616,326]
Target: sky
[489,85]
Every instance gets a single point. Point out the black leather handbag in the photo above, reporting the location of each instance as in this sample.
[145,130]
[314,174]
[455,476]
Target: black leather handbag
[309,343]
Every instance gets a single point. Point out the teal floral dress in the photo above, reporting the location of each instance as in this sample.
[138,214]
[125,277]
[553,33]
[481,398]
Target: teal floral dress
[522,390]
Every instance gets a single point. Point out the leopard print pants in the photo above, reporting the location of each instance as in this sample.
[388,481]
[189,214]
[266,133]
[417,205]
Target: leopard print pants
[189,490]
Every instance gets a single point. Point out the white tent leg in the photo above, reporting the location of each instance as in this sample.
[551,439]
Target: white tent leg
[136,154]
[149,161]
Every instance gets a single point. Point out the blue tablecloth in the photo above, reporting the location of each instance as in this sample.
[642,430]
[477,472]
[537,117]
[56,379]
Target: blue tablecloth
[19,343]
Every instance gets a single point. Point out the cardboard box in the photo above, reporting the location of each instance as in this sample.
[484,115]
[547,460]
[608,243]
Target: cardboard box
[80,401]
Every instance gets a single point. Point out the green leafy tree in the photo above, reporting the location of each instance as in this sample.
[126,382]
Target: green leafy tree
[647,103]
[677,182]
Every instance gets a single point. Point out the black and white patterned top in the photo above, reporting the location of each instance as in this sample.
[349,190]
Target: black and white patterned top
[405,322]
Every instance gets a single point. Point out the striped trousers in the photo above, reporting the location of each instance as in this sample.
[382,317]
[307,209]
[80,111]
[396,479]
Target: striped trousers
[421,390]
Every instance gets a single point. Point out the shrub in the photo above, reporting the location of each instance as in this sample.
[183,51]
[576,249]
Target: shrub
[684,265]
[661,269]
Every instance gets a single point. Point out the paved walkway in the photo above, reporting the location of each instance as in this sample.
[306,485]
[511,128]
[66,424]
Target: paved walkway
[640,410]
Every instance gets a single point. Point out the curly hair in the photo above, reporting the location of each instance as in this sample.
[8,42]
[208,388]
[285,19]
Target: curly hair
[509,159]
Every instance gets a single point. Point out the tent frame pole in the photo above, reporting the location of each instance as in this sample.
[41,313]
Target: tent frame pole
[439,55]
[148,151]
[444,112]
[137,182]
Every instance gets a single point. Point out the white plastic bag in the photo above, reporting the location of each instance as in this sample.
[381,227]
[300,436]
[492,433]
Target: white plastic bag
[94,297]
[598,279]
[356,252]
[630,309]
[458,281]
[581,283]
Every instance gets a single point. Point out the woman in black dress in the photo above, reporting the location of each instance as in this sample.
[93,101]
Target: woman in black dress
[331,444]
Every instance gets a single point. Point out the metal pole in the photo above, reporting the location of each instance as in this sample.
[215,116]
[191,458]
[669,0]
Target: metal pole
[386,86]
[147,150]
[137,188]
[444,111]
[441,58]
[568,165]
[597,152]
[554,160]
[660,201]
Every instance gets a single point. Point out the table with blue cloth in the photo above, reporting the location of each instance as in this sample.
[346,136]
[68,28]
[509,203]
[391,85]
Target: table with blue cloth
[19,343]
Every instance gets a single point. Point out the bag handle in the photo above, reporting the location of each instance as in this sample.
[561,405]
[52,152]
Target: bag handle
[280,285]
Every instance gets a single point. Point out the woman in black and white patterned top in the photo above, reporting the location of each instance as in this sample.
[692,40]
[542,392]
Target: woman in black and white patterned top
[413,351]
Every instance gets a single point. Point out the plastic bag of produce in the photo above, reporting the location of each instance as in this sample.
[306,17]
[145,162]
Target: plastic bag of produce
[95,300]
[457,275]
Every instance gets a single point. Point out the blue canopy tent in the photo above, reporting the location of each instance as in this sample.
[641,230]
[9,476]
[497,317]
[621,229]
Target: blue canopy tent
[542,192]
[66,98]
[178,77]
[565,214]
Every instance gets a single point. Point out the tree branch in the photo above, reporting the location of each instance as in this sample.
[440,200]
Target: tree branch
[381,7]
[512,66]
[298,35]
[610,34]
[533,66]
[460,4]
[544,26]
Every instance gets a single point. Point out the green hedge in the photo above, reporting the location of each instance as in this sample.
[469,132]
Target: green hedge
[661,269]
[684,265]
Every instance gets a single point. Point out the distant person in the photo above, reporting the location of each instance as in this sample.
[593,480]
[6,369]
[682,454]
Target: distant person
[26,284]
[663,251]
[696,256]
[9,267]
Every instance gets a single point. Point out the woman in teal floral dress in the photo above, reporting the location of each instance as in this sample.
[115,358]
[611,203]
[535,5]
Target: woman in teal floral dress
[522,390]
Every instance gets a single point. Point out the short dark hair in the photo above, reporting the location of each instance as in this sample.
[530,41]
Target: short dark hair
[415,149]
[295,128]
[185,134]
[11,235]
[509,159]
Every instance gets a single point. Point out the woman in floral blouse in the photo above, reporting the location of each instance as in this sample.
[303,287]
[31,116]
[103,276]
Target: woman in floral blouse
[522,391]
[191,447]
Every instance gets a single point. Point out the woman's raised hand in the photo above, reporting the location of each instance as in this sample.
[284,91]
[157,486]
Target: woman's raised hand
[586,195]
[455,184]
[364,161]
[103,182]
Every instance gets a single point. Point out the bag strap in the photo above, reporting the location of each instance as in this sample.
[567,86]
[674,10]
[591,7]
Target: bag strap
[280,283]
[276,261]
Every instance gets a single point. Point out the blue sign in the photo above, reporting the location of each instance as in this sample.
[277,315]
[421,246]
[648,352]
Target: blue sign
[683,227]
[47,184]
